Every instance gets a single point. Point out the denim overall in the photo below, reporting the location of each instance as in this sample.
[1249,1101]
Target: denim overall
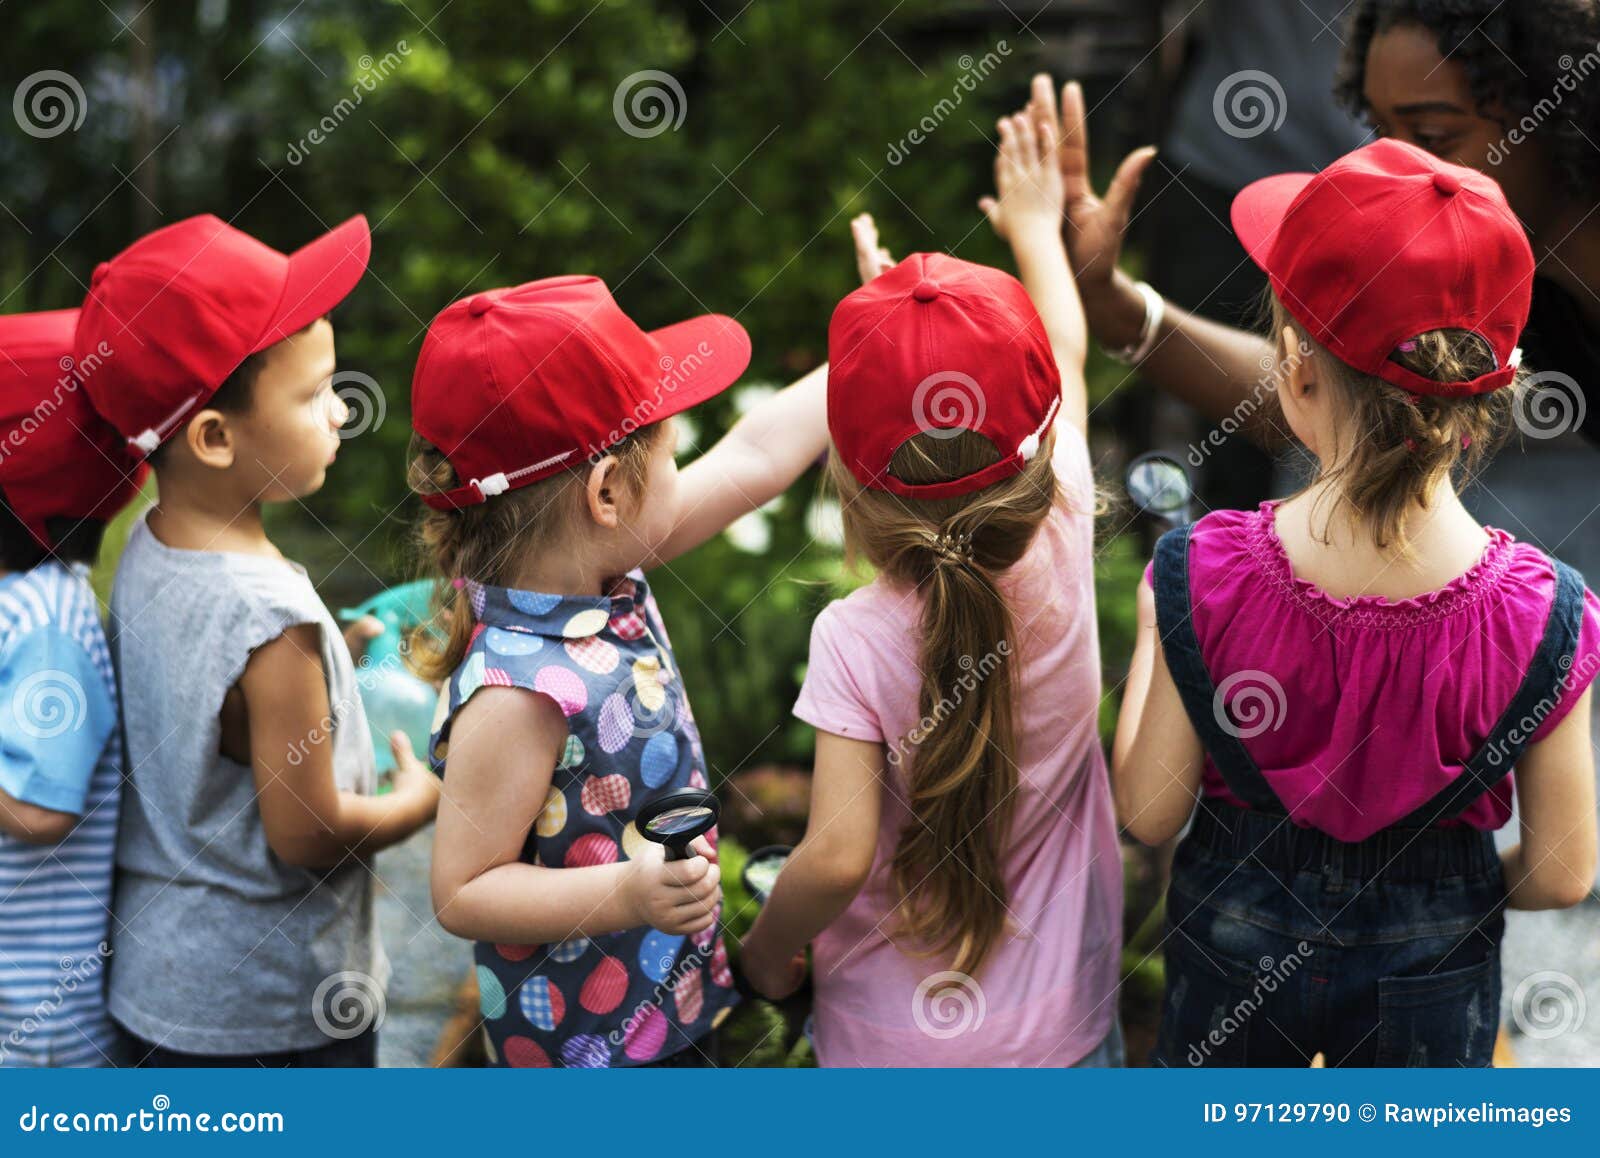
[1283,942]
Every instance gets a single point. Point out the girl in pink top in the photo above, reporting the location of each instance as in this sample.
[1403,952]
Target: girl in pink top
[959,881]
[1346,679]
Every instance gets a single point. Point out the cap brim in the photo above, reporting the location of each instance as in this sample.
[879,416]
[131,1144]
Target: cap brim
[321,275]
[1258,210]
[700,358]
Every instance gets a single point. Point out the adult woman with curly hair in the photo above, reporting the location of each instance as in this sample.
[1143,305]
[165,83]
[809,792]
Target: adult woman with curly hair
[1511,89]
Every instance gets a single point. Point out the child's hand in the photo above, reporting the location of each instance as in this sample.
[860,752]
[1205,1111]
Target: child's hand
[360,633]
[871,258]
[1027,176]
[678,896]
[774,980]
[412,780]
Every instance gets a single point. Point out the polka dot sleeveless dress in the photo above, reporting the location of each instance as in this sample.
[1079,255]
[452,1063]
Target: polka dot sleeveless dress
[625,998]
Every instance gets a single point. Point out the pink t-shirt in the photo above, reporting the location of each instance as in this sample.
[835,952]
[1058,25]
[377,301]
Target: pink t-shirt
[1383,701]
[1047,994]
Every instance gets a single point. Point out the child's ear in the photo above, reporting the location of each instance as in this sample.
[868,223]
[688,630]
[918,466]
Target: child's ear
[1296,362]
[601,492]
[210,439]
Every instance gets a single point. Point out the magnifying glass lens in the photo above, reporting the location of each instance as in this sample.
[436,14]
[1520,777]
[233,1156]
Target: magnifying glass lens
[678,820]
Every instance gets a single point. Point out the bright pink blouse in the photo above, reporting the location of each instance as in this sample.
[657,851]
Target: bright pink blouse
[1358,710]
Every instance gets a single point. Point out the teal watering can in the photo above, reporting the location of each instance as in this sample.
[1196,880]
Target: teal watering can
[394,698]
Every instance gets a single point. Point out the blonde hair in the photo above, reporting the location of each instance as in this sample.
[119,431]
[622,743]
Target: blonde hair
[1394,446]
[962,774]
[487,542]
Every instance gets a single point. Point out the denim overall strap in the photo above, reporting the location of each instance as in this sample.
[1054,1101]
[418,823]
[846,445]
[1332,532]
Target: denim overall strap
[1181,648]
[1536,696]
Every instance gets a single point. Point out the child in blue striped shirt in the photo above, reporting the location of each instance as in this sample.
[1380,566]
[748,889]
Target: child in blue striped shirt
[63,473]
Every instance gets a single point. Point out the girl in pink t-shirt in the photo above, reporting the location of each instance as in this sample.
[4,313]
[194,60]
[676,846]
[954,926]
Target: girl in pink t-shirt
[959,881]
[1346,679]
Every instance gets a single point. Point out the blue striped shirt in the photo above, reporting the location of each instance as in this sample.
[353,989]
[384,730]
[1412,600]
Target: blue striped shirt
[60,749]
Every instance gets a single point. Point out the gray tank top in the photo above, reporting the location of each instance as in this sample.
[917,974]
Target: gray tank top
[219,947]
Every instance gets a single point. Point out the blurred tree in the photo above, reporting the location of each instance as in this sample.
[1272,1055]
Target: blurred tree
[698,156]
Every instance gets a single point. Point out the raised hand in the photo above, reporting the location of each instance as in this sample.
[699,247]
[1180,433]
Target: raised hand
[1027,177]
[1095,225]
[871,258]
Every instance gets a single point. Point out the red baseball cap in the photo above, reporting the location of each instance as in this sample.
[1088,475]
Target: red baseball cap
[516,384]
[937,344]
[58,458]
[1389,242]
[182,307]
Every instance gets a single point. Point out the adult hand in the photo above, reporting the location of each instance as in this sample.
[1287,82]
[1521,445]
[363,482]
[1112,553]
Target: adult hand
[1094,225]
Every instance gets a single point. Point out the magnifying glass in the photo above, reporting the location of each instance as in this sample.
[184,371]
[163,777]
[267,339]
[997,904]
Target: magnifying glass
[677,818]
[1159,486]
[761,869]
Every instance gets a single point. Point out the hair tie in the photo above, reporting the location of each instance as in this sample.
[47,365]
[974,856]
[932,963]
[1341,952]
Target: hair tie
[1466,441]
[951,548]
[458,583]
[1411,445]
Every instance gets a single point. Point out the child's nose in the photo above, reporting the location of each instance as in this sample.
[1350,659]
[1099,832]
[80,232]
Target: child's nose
[338,411]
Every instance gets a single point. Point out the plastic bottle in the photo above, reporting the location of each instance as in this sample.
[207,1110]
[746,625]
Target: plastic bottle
[393,697]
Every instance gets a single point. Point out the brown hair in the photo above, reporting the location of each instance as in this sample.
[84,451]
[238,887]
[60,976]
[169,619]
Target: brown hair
[1401,444]
[962,777]
[488,542]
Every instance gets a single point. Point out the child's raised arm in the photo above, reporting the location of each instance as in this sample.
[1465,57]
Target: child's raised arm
[751,465]
[1026,212]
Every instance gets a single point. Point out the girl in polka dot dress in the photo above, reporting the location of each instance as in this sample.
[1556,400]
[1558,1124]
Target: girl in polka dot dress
[545,452]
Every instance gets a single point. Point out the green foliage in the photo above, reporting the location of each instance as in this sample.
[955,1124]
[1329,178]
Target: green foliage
[481,140]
